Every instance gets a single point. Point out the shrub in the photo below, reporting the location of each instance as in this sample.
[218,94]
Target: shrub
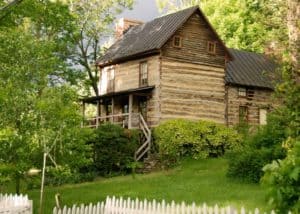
[114,149]
[258,149]
[59,175]
[197,139]
[247,164]
[282,178]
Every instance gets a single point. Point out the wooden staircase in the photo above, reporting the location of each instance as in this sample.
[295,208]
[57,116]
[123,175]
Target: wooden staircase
[146,139]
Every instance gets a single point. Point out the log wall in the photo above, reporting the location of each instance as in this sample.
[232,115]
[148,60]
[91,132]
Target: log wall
[127,77]
[262,99]
[192,91]
[195,34]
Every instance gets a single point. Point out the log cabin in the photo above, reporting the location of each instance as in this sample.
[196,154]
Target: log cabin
[176,66]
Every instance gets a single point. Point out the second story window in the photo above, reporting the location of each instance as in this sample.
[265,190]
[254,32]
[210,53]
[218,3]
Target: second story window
[250,94]
[110,80]
[177,41]
[246,93]
[242,92]
[211,47]
[143,74]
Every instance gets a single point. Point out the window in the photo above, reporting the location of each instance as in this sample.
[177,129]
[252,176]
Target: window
[211,47]
[250,94]
[125,109]
[242,92]
[243,114]
[143,74]
[110,80]
[262,116]
[177,41]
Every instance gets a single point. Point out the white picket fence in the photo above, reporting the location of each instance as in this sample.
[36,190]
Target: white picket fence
[15,204]
[135,206]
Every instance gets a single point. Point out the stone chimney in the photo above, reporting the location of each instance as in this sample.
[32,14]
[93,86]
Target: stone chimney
[123,25]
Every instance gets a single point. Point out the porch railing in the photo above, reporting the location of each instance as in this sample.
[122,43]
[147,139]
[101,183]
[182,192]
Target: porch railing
[125,120]
[146,146]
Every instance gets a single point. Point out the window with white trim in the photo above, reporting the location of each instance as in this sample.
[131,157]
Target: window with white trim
[143,73]
[242,92]
[177,41]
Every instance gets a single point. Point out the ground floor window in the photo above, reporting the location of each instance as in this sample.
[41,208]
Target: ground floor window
[243,114]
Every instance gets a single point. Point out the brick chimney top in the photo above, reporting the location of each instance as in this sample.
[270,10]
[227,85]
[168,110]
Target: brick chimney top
[123,25]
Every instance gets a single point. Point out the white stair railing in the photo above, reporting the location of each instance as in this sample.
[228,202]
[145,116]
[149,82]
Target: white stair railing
[146,146]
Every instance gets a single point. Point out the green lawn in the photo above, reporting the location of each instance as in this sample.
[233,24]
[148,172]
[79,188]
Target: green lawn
[194,180]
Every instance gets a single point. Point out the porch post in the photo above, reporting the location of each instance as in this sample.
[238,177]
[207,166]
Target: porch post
[130,111]
[83,114]
[112,108]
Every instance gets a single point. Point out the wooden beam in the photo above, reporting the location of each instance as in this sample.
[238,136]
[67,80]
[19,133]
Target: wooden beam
[112,108]
[130,101]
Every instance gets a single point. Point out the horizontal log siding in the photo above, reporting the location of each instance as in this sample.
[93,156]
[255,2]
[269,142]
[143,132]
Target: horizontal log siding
[127,77]
[153,103]
[262,99]
[195,35]
[192,91]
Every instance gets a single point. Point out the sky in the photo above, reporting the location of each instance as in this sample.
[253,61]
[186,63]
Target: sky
[143,10]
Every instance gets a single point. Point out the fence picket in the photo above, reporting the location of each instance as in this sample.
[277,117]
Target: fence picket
[113,205]
[10,203]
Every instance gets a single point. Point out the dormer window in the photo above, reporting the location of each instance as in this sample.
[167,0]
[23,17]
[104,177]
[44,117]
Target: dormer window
[211,47]
[177,41]
[144,73]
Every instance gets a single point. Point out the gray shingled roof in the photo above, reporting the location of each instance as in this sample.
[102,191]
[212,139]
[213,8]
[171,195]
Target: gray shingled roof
[246,69]
[250,69]
[146,37]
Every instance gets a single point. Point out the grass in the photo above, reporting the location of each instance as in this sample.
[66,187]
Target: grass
[193,181]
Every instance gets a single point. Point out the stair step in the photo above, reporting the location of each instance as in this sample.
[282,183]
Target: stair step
[151,163]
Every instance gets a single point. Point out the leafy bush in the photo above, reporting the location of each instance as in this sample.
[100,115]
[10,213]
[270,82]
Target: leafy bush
[283,179]
[258,149]
[59,175]
[247,164]
[197,139]
[56,176]
[114,149]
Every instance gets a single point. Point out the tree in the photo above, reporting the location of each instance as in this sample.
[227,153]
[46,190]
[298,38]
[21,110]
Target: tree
[282,176]
[34,44]
[93,21]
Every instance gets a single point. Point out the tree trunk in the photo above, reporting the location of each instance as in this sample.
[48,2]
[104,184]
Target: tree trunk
[18,180]
[293,25]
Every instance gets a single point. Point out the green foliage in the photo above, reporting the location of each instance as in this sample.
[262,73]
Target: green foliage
[59,175]
[114,149]
[282,178]
[93,21]
[184,138]
[35,109]
[258,149]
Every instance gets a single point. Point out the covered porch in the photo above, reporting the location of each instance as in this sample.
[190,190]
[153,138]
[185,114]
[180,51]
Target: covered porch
[125,108]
